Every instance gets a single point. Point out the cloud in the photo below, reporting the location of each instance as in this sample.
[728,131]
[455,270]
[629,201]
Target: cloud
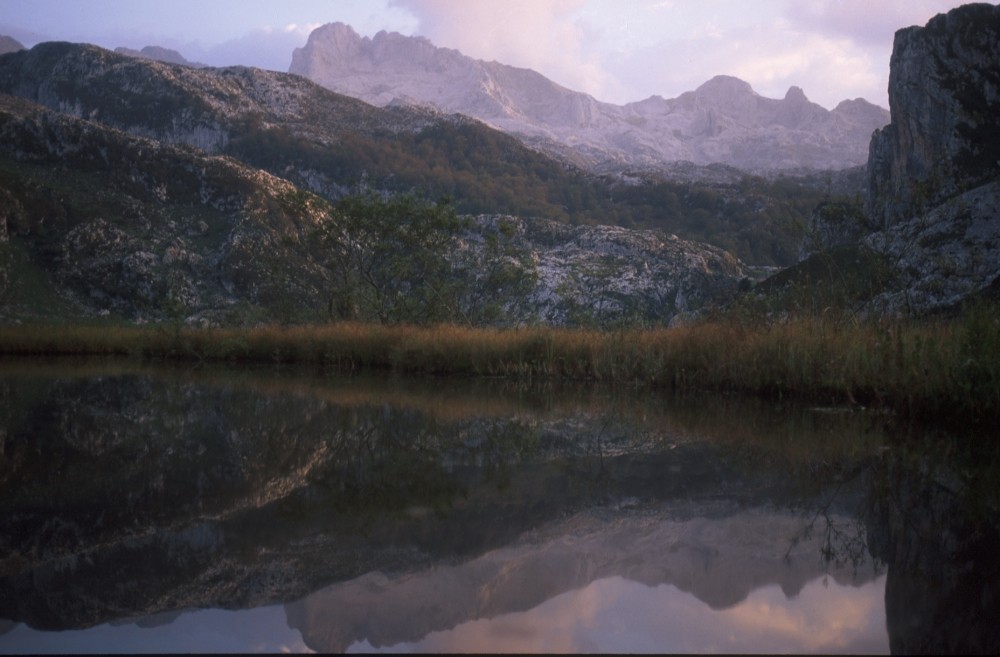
[861,21]
[620,615]
[546,36]
[772,56]
[623,52]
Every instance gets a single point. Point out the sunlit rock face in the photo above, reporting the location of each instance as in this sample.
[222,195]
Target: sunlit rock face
[934,171]
[723,121]
[608,274]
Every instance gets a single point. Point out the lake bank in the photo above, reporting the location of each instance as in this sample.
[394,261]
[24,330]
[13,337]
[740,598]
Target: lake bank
[933,368]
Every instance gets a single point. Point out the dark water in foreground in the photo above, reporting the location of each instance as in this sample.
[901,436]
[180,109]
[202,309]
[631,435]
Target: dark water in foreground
[214,510]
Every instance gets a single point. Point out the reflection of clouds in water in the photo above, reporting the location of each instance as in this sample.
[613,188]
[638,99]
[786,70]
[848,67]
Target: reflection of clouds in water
[823,618]
[260,630]
[618,615]
[565,625]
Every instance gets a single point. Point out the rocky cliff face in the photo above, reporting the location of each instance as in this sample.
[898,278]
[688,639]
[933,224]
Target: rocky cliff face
[944,98]
[723,121]
[934,172]
[608,275]
[933,204]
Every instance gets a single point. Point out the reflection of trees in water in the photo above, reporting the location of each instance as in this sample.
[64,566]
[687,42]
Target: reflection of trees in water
[842,541]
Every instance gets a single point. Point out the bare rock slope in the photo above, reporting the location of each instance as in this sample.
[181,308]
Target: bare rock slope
[723,121]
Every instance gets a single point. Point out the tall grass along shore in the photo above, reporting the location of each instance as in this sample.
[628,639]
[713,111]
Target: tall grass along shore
[934,366]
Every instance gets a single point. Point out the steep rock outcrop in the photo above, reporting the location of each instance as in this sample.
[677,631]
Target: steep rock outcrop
[944,99]
[723,121]
[933,205]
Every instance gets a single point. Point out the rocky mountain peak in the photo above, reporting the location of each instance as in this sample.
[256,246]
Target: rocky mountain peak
[9,44]
[795,95]
[336,33]
[725,84]
[723,93]
[335,50]
[724,121]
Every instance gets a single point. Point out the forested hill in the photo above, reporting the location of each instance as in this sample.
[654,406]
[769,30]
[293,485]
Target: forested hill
[331,144]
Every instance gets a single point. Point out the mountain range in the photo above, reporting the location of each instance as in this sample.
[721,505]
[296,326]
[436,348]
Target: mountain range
[144,190]
[722,121]
[147,190]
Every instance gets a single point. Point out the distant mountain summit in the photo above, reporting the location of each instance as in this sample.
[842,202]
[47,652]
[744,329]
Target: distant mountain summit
[9,44]
[160,54]
[723,121]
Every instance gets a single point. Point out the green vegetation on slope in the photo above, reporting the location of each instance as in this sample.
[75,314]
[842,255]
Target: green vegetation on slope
[487,172]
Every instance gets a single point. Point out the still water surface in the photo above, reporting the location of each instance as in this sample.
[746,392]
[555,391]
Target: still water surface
[213,510]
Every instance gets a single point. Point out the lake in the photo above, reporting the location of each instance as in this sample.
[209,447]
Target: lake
[210,509]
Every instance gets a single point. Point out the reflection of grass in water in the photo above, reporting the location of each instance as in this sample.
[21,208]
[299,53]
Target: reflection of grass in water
[790,431]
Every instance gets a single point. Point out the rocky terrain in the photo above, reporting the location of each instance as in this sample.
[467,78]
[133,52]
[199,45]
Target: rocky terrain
[100,222]
[932,210]
[723,121]
[133,192]
[147,191]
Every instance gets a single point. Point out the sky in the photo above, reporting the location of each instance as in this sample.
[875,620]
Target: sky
[618,51]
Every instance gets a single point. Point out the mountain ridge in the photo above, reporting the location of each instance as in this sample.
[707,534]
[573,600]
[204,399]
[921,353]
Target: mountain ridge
[146,191]
[329,143]
[746,130]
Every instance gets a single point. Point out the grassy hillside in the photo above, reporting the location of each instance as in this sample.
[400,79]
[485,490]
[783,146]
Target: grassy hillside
[331,145]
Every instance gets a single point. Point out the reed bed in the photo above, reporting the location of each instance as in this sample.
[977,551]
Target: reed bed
[943,366]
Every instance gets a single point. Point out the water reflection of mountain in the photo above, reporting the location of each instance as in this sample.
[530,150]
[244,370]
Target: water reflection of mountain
[126,494]
[717,551]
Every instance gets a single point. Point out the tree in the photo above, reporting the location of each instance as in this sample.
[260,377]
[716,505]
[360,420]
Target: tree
[496,273]
[404,259]
[389,256]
